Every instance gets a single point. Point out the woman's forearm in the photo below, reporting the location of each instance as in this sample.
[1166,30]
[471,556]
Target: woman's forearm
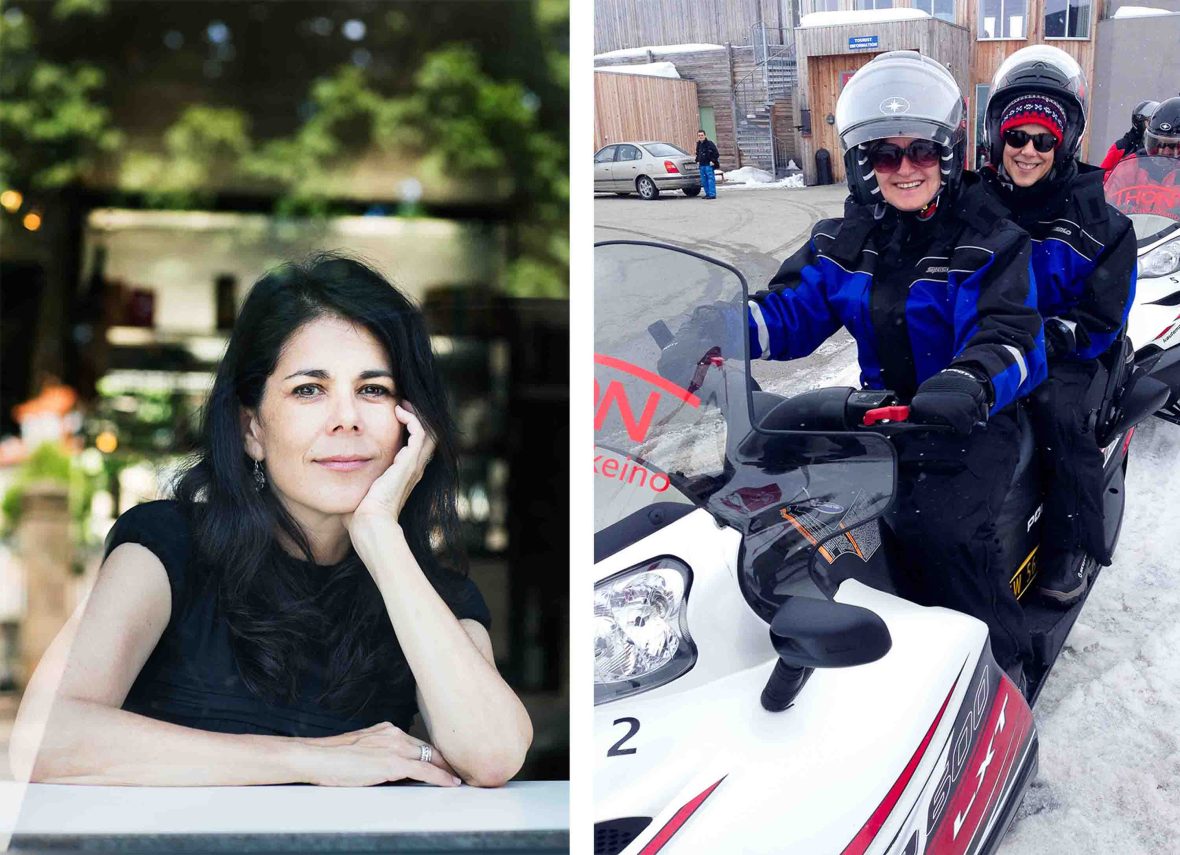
[474,718]
[84,742]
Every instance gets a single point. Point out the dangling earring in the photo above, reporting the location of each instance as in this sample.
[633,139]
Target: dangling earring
[259,477]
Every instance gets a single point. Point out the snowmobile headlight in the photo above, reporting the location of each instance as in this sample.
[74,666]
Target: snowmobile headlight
[1161,261]
[641,637]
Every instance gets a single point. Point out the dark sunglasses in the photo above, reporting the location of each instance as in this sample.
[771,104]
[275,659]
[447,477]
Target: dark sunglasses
[885,157]
[1019,139]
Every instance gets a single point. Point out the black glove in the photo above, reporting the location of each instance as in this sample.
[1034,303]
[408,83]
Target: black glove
[954,396]
[716,325]
[1060,339]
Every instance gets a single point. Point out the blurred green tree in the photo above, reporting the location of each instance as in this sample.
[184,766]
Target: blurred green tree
[496,118]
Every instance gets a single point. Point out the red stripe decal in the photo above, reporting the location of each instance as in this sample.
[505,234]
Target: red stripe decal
[869,830]
[1007,724]
[651,377]
[678,819]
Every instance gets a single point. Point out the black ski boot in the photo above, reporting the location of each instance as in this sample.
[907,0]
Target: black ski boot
[1062,576]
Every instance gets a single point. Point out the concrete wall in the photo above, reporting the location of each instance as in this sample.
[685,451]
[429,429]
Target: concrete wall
[1136,60]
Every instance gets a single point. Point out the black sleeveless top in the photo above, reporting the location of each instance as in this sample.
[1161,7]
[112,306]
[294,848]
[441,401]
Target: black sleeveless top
[192,679]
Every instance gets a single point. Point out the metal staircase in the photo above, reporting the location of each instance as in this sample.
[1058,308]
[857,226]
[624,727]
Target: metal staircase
[772,78]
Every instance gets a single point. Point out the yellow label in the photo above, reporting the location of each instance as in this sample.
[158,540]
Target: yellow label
[1023,578]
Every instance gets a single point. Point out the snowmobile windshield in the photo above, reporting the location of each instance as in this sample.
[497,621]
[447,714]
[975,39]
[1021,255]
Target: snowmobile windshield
[677,418]
[1147,190]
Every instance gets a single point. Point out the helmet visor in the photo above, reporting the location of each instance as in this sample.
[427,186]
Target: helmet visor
[1162,144]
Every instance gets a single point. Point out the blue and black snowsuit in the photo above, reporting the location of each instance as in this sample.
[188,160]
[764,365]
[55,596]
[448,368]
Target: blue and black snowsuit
[921,295]
[1084,262]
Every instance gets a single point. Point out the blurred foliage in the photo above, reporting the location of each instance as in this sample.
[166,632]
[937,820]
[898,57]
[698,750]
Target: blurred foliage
[51,462]
[53,124]
[461,118]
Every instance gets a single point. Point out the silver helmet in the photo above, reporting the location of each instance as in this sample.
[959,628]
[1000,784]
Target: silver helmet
[900,94]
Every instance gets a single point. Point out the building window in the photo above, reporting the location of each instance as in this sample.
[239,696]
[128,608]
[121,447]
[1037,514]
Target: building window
[873,4]
[1067,19]
[1002,19]
[944,9]
[823,5]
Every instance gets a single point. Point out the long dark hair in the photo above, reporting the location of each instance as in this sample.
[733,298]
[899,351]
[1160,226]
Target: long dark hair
[274,617]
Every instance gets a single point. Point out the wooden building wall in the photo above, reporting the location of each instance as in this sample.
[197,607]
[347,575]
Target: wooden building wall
[622,24]
[714,73]
[639,107]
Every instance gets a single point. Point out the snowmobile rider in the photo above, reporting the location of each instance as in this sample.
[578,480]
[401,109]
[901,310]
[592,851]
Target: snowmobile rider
[1155,165]
[1132,140]
[1084,255]
[933,283]
[1162,137]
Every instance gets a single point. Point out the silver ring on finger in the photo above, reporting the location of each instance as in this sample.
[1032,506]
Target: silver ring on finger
[425,752]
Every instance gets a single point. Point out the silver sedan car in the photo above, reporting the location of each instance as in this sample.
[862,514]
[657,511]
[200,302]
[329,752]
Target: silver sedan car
[645,168]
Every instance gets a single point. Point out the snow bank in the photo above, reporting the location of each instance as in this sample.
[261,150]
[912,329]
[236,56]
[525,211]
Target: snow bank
[650,69]
[863,16]
[1140,12]
[752,178]
[1109,715]
[657,50]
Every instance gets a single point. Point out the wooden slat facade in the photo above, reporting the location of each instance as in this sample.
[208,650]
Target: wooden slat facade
[714,73]
[634,107]
[622,24]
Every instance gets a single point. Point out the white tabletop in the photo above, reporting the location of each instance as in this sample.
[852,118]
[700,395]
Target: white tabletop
[525,811]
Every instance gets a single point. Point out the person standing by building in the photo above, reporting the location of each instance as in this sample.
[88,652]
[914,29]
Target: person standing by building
[1084,265]
[707,160]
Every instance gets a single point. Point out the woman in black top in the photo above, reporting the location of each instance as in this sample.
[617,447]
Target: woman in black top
[284,618]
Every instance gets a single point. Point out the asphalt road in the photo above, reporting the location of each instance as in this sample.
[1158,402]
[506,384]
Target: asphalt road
[754,230]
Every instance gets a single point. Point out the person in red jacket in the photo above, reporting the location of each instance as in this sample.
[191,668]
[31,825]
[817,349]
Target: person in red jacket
[1132,140]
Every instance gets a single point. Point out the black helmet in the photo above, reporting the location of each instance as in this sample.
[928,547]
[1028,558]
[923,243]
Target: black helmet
[1163,131]
[1142,113]
[900,94]
[1044,70]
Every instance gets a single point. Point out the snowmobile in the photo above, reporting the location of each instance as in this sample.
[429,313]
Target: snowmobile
[760,683]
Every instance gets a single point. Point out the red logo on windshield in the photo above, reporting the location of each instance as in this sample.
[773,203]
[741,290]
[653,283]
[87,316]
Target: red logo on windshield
[1146,199]
[616,395]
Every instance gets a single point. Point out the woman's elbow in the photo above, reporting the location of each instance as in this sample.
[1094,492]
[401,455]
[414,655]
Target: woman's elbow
[495,769]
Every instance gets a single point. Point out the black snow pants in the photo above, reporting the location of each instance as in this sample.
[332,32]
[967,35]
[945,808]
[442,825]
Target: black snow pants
[949,492]
[1071,461]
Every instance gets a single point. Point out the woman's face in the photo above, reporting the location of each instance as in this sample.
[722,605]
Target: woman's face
[326,429]
[1026,166]
[911,187]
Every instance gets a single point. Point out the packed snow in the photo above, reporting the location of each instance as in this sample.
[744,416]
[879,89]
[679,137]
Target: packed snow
[1109,717]
[1140,12]
[751,178]
[648,69]
[863,16]
[657,50]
